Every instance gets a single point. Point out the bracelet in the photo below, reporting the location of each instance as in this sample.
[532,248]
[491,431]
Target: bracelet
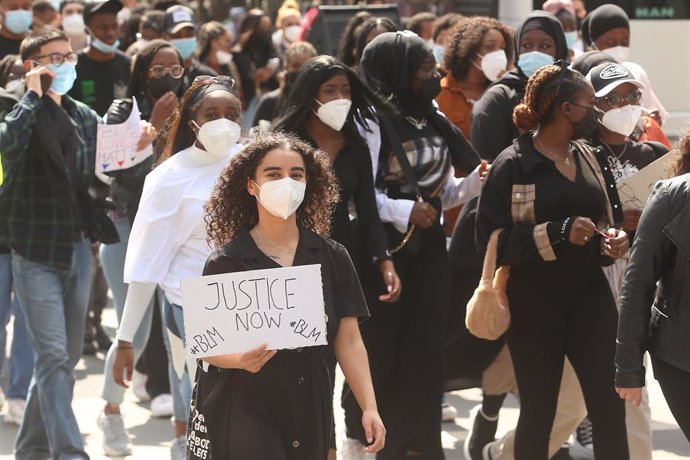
[120,347]
[564,228]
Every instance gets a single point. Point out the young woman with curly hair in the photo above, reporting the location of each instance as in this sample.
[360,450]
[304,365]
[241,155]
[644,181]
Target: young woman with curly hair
[655,298]
[271,208]
[168,238]
[479,51]
[550,196]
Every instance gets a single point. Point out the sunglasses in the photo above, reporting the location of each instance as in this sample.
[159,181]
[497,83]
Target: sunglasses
[220,79]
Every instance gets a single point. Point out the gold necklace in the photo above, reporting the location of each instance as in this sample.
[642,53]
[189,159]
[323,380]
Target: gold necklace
[565,159]
[276,245]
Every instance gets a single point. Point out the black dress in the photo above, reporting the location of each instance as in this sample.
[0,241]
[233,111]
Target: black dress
[285,411]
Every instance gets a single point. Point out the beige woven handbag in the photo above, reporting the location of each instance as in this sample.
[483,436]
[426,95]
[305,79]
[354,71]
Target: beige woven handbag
[488,315]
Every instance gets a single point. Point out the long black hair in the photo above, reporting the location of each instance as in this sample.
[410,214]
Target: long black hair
[311,76]
[346,45]
[140,69]
[363,31]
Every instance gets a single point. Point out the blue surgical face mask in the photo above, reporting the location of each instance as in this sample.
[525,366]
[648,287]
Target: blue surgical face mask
[438,53]
[63,81]
[185,46]
[571,39]
[103,47]
[19,21]
[530,62]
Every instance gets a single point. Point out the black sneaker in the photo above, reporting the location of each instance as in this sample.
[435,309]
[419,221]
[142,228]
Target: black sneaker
[482,432]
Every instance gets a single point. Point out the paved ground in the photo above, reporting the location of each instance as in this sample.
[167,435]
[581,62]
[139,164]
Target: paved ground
[151,437]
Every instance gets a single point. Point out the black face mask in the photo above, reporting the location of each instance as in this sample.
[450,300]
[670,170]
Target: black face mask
[430,88]
[159,86]
[584,128]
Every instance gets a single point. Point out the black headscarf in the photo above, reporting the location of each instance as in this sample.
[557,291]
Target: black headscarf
[603,19]
[388,65]
[536,20]
[547,23]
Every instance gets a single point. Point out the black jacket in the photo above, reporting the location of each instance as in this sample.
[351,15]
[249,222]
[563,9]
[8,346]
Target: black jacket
[655,311]
[492,115]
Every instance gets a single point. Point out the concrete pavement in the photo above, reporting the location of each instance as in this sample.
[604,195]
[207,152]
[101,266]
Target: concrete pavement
[151,437]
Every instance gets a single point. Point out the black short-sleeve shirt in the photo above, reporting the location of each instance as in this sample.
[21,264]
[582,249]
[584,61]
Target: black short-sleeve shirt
[286,408]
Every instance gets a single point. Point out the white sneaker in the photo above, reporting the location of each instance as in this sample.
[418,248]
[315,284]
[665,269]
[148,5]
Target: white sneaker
[139,386]
[584,443]
[15,411]
[115,439]
[448,412]
[178,448]
[352,449]
[162,406]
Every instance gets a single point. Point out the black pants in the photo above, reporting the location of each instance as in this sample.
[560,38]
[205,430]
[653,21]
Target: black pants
[559,310]
[405,346]
[675,384]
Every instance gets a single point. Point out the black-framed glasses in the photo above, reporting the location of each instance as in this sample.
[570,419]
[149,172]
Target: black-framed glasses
[158,71]
[57,59]
[616,101]
[220,79]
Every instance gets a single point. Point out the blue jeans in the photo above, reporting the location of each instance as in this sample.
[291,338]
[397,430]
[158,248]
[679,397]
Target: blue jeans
[180,387]
[54,302]
[22,353]
[113,264]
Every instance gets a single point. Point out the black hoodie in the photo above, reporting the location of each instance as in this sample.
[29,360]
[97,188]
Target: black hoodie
[492,116]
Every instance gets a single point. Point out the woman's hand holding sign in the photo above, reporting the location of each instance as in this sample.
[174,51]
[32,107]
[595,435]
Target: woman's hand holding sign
[251,361]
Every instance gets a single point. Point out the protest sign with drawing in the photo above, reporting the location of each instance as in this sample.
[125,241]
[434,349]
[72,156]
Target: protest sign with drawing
[236,312]
[116,145]
[634,190]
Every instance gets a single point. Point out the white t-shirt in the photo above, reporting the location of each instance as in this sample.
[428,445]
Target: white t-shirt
[168,239]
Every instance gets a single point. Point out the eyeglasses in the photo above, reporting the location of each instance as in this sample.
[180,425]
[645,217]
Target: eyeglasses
[220,79]
[616,101]
[158,71]
[57,59]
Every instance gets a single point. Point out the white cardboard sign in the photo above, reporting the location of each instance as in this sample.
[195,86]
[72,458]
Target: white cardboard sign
[236,312]
[635,190]
[116,145]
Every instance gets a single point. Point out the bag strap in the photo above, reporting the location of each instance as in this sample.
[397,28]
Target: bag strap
[490,257]
[400,154]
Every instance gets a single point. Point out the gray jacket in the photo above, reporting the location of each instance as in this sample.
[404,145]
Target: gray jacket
[655,312]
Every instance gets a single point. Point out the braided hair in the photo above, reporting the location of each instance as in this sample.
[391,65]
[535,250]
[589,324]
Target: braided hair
[546,90]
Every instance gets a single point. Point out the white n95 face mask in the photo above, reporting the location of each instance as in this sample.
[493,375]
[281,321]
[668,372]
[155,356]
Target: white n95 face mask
[622,120]
[619,53]
[494,63]
[218,136]
[334,113]
[74,25]
[281,198]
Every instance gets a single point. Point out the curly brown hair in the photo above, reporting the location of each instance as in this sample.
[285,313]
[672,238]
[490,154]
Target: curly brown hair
[231,208]
[465,42]
[544,93]
[681,154]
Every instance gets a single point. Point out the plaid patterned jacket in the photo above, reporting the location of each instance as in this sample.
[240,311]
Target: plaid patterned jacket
[36,202]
